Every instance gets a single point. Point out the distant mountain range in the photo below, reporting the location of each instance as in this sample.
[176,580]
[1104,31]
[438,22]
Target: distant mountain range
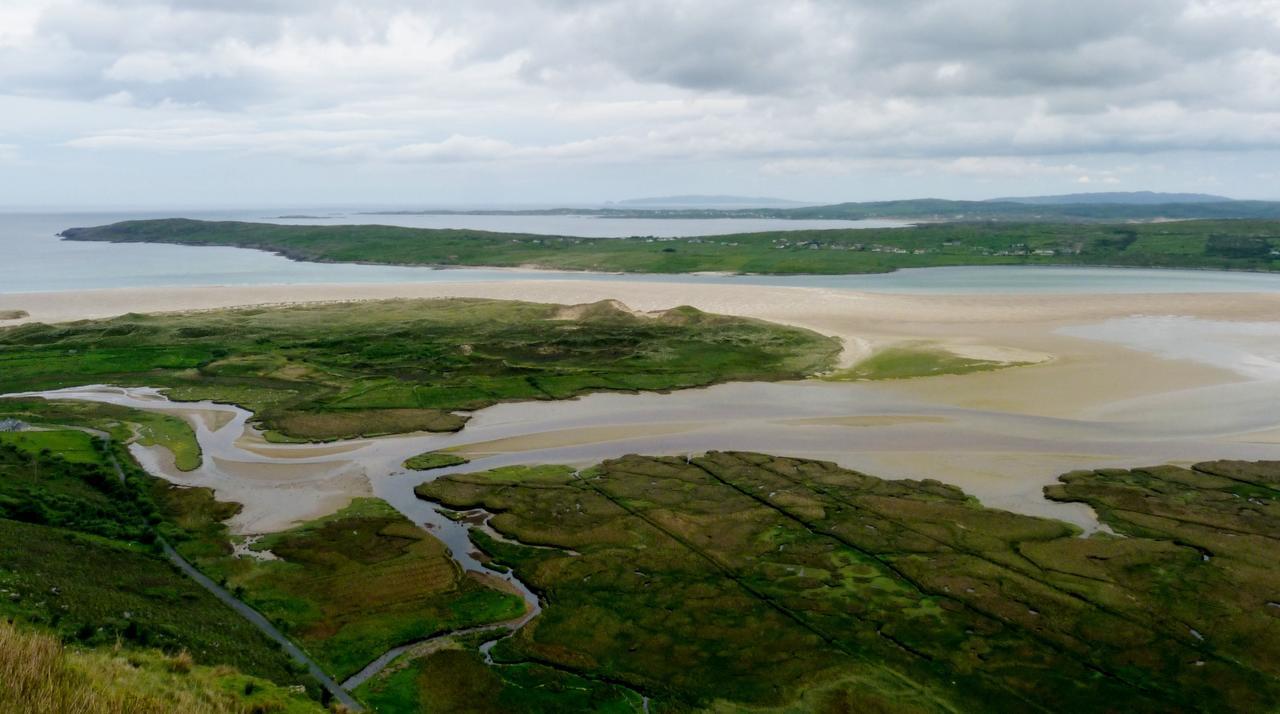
[696,201]
[1070,208]
[1128,198]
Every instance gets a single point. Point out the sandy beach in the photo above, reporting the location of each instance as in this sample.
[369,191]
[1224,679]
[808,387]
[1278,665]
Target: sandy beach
[1072,374]
[1001,435]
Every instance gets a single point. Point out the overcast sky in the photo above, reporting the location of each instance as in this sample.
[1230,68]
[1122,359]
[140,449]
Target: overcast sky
[310,102]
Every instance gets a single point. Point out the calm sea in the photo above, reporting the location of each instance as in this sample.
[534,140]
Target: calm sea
[34,259]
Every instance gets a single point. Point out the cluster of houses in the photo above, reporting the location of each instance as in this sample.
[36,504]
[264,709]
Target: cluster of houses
[783,243]
[8,425]
[1015,249]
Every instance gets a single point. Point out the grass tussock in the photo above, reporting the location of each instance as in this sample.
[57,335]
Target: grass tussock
[39,675]
[909,362]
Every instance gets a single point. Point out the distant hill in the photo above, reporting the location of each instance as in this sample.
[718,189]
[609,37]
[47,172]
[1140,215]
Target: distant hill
[1128,198]
[1076,208]
[707,202]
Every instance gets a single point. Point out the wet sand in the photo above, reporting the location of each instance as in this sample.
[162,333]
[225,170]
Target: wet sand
[1074,374]
[1125,394]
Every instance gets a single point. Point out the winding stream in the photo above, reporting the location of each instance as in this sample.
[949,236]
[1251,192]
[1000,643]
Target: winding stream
[1003,458]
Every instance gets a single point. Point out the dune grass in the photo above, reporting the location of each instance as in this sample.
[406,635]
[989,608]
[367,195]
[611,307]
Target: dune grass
[744,580]
[914,361]
[39,675]
[345,370]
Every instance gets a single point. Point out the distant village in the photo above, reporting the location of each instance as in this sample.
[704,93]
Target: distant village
[951,246]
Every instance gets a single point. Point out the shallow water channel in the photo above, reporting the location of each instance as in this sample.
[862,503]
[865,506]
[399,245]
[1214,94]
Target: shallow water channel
[1003,458]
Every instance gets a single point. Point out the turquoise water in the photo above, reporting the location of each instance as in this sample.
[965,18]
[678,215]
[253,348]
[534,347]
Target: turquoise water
[33,259]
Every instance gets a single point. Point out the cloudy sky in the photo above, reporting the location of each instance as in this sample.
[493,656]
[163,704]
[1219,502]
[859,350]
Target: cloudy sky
[309,102]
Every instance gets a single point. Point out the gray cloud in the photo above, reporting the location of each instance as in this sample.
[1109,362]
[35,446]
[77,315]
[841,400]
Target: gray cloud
[782,83]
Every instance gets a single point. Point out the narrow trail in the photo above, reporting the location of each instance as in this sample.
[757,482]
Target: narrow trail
[253,616]
[256,618]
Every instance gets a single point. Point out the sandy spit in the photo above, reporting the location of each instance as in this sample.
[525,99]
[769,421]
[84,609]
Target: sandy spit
[1072,375]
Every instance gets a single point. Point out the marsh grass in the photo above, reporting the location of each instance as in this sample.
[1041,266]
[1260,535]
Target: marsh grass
[746,580]
[456,679]
[434,460]
[351,585]
[909,362]
[334,371]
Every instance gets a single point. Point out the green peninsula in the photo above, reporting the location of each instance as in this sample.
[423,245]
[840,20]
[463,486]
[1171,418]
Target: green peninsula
[333,371]
[1222,244]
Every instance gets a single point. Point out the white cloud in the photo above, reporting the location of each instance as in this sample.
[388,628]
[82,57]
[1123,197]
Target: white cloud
[970,88]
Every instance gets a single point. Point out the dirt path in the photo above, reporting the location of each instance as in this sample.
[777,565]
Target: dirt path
[253,616]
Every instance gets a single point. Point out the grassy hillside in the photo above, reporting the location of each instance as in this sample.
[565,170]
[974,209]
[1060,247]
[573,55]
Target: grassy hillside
[40,675]
[76,560]
[333,371]
[1225,244]
[744,580]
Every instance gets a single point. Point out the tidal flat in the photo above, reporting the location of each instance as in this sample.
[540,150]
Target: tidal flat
[337,371]
[289,524]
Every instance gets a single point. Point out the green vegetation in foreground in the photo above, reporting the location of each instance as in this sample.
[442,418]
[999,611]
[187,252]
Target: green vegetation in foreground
[455,678]
[76,560]
[349,586]
[743,580]
[121,423]
[347,370]
[434,460]
[38,674]
[908,362]
[1223,244]
[63,479]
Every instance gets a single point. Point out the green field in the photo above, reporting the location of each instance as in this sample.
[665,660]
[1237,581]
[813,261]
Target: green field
[1223,244]
[121,423]
[347,370]
[745,580]
[348,586]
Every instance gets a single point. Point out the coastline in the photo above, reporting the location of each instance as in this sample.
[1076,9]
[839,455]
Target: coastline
[1023,436]
[1072,374]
